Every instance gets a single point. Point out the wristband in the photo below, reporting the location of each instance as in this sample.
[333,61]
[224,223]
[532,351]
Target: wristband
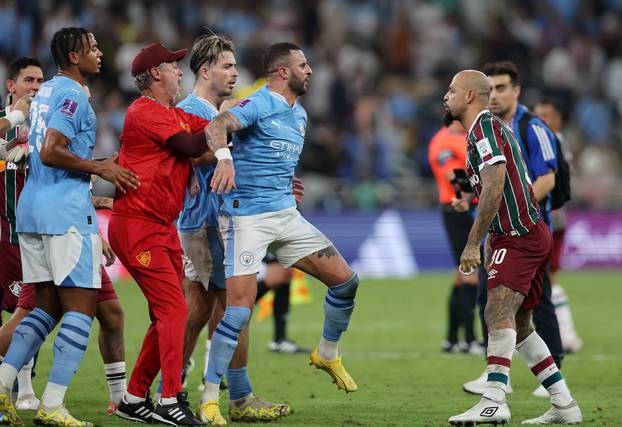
[15,117]
[223,154]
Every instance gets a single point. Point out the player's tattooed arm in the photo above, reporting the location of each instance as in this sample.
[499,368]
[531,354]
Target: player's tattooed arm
[223,180]
[216,131]
[493,180]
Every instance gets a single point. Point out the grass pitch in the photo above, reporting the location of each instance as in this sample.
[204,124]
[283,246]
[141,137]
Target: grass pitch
[392,351]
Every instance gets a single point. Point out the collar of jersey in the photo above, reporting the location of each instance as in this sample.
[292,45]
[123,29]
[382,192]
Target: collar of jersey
[477,117]
[280,97]
[207,103]
[71,80]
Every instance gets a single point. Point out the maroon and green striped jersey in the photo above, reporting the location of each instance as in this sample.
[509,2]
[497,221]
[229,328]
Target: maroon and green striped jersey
[12,177]
[490,141]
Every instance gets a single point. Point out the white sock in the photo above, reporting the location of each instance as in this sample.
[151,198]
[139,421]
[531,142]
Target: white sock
[168,400]
[208,345]
[7,376]
[210,392]
[539,359]
[564,315]
[24,380]
[53,395]
[115,376]
[501,345]
[130,398]
[328,349]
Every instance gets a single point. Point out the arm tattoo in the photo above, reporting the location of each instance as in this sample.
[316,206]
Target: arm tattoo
[327,252]
[493,180]
[216,130]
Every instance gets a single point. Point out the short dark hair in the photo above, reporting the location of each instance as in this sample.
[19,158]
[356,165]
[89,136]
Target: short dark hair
[275,55]
[68,40]
[17,65]
[557,103]
[500,68]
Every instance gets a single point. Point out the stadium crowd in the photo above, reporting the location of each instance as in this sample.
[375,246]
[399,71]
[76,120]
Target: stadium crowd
[380,68]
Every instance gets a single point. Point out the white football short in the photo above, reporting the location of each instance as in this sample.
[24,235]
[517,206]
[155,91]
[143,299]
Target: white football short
[203,257]
[285,233]
[70,260]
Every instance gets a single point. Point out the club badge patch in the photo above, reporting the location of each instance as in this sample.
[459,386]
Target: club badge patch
[69,107]
[144,258]
[484,149]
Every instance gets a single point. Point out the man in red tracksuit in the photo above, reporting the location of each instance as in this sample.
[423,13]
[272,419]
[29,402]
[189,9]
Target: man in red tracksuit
[158,141]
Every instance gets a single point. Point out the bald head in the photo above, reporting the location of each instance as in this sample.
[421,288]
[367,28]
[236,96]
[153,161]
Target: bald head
[473,80]
[469,91]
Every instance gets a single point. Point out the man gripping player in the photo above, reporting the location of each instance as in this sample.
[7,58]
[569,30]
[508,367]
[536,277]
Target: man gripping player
[521,246]
[259,214]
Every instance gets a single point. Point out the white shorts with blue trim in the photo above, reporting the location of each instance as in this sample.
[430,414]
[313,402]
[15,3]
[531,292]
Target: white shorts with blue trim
[285,233]
[203,257]
[71,260]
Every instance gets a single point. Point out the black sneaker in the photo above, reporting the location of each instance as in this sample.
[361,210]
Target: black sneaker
[176,414]
[140,412]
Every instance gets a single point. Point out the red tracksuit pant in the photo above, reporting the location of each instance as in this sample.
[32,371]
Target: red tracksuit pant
[151,253]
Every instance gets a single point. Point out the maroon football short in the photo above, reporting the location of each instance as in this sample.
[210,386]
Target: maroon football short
[10,275]
[28,296]
[519,263]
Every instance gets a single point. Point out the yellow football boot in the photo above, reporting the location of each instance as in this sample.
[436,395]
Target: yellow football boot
[209,412]
[8,415]
[335,369]
[58,416]
[254,408]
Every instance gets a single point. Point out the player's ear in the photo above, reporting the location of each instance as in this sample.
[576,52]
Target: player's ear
[9,85]
[73,57]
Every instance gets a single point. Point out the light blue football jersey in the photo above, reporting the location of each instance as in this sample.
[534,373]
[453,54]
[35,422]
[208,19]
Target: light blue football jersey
[55,199]
[265,154]
[204,206]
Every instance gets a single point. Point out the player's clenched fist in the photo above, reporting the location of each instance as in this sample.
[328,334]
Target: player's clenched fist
[122,178]
[470,259]
[224,177]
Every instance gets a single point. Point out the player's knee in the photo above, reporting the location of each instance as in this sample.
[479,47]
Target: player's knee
[346,290]
[236,317]
[110,315]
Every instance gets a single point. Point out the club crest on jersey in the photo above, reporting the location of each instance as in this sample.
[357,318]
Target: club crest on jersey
[69,107]
[301,125]
[185,126]
[144,258]
[484,149]
[16,288]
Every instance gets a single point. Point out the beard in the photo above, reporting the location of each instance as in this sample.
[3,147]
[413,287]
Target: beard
[448,118]
[297,86]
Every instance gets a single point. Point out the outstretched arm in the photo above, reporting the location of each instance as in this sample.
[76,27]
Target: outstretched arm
[216,138]
[493,180]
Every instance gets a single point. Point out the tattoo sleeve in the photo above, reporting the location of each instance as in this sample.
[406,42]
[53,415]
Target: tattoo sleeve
[493,180]
[216,130]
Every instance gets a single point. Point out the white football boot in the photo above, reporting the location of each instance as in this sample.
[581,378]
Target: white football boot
[570,414]
[486,411]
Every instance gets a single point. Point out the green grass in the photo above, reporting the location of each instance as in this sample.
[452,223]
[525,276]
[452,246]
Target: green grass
[392,350]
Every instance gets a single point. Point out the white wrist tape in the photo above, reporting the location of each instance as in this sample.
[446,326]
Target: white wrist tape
[223,154]
[15,118]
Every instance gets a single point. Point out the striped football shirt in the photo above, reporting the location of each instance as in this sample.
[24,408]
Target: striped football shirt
[12,179]
[490,141]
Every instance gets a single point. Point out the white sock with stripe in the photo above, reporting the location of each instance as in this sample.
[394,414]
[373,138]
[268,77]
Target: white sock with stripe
[500,349]
[541,363]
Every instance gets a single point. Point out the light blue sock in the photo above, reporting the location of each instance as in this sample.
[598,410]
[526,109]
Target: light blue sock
[338,307]
[224,342]
[238,382]
[69,346]
[28,337]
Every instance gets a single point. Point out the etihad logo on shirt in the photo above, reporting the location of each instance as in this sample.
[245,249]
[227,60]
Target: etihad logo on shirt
[144,258]
[185,126]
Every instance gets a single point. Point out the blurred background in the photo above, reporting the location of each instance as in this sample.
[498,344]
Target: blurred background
[380,69]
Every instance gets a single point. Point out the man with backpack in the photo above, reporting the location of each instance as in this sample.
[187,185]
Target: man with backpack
[550,179]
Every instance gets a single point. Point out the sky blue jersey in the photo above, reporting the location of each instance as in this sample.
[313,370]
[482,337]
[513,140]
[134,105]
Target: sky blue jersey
[55,199]
[203,206]
[265,153]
